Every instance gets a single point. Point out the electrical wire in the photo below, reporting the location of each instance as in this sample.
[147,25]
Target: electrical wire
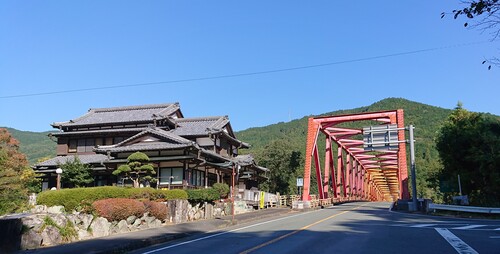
[245,73]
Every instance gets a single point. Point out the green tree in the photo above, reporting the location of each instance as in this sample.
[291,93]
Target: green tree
[283,163]
[137,169]
[13,194]
[468,144]
[31,180]
[76,174]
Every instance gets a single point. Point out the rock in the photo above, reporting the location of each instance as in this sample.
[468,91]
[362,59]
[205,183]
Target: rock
[55,209]
[131,219]
[209,211]
[154,223]
[33,222]
[73,218]
[137,223]
[198,215]
[122,227]
[83,234]
[100,227]
[39,209]
[31,240]
[59,219]
[51,236]
[149,219]
[84,220]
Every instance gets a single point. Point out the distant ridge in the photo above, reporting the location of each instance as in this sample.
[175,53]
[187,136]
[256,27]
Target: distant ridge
[34,145]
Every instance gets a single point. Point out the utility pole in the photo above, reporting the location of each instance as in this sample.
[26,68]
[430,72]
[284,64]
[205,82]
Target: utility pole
[412,168]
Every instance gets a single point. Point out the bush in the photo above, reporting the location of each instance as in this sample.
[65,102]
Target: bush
[116,209]
[156,209]
[175,194]
[222,189]
[202,195]
[81,199]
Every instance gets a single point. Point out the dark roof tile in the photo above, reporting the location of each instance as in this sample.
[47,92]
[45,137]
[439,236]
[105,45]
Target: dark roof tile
[130,114]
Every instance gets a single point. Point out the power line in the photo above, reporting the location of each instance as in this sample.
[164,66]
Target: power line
[246,73]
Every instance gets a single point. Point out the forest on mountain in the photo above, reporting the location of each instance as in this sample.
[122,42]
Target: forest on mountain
[35,145]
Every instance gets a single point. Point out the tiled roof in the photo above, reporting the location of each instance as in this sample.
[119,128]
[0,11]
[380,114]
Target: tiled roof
[84,158]
[130,114]
[167,141]
[199,126]
[93,132]
[143,147]
[244,160]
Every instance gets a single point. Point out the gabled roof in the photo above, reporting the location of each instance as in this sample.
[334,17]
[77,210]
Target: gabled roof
[125,115]
[204,126]
[165,141]
[200,126]
[84,158]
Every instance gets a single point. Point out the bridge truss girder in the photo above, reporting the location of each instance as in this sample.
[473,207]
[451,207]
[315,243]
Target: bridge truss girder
[360,174]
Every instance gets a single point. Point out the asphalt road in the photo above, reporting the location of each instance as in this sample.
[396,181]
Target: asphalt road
[348,228]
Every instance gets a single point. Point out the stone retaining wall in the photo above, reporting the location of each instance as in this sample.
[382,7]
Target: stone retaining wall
[48,226]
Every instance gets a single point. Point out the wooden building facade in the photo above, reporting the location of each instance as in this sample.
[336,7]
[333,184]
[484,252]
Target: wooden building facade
[186,152]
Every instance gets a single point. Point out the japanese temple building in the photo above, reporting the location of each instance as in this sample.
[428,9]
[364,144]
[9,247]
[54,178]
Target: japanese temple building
[186,152]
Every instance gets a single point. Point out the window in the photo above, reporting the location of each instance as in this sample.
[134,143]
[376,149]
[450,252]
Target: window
[197,178]
[72,146]
[81,146]
[171,175]
[89,144]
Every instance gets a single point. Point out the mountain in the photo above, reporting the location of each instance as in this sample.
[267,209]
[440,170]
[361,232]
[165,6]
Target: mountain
[34,145]
[426,119]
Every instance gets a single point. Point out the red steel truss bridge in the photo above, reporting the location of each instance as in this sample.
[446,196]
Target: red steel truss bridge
[349,171]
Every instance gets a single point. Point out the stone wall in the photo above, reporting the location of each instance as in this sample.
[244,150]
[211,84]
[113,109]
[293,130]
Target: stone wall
[48,226]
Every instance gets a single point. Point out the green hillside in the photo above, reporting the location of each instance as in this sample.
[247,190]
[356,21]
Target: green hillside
[34,145]
[426,119]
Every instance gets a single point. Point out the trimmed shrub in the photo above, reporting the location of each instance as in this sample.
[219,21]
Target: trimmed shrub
[222,189]
[175,194]
[203,195]
[81,199]
[156,209]
[116,209]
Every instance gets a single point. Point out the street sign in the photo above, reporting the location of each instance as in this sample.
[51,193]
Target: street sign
[300,182]
[382,137]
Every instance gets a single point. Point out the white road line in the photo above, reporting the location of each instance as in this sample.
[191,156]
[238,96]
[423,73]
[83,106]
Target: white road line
[469,227]
[423,225]
[457,243]
[495,237]
[222,233]
[496,229]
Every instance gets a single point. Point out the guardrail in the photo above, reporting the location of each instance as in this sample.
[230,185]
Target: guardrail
[469,209]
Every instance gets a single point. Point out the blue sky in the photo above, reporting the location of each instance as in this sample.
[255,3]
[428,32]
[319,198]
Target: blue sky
[56,46]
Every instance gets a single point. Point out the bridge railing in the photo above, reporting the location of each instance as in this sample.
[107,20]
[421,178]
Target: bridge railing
[468,209]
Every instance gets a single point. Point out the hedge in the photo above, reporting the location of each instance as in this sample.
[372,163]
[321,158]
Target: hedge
[203,195]
[82,198]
